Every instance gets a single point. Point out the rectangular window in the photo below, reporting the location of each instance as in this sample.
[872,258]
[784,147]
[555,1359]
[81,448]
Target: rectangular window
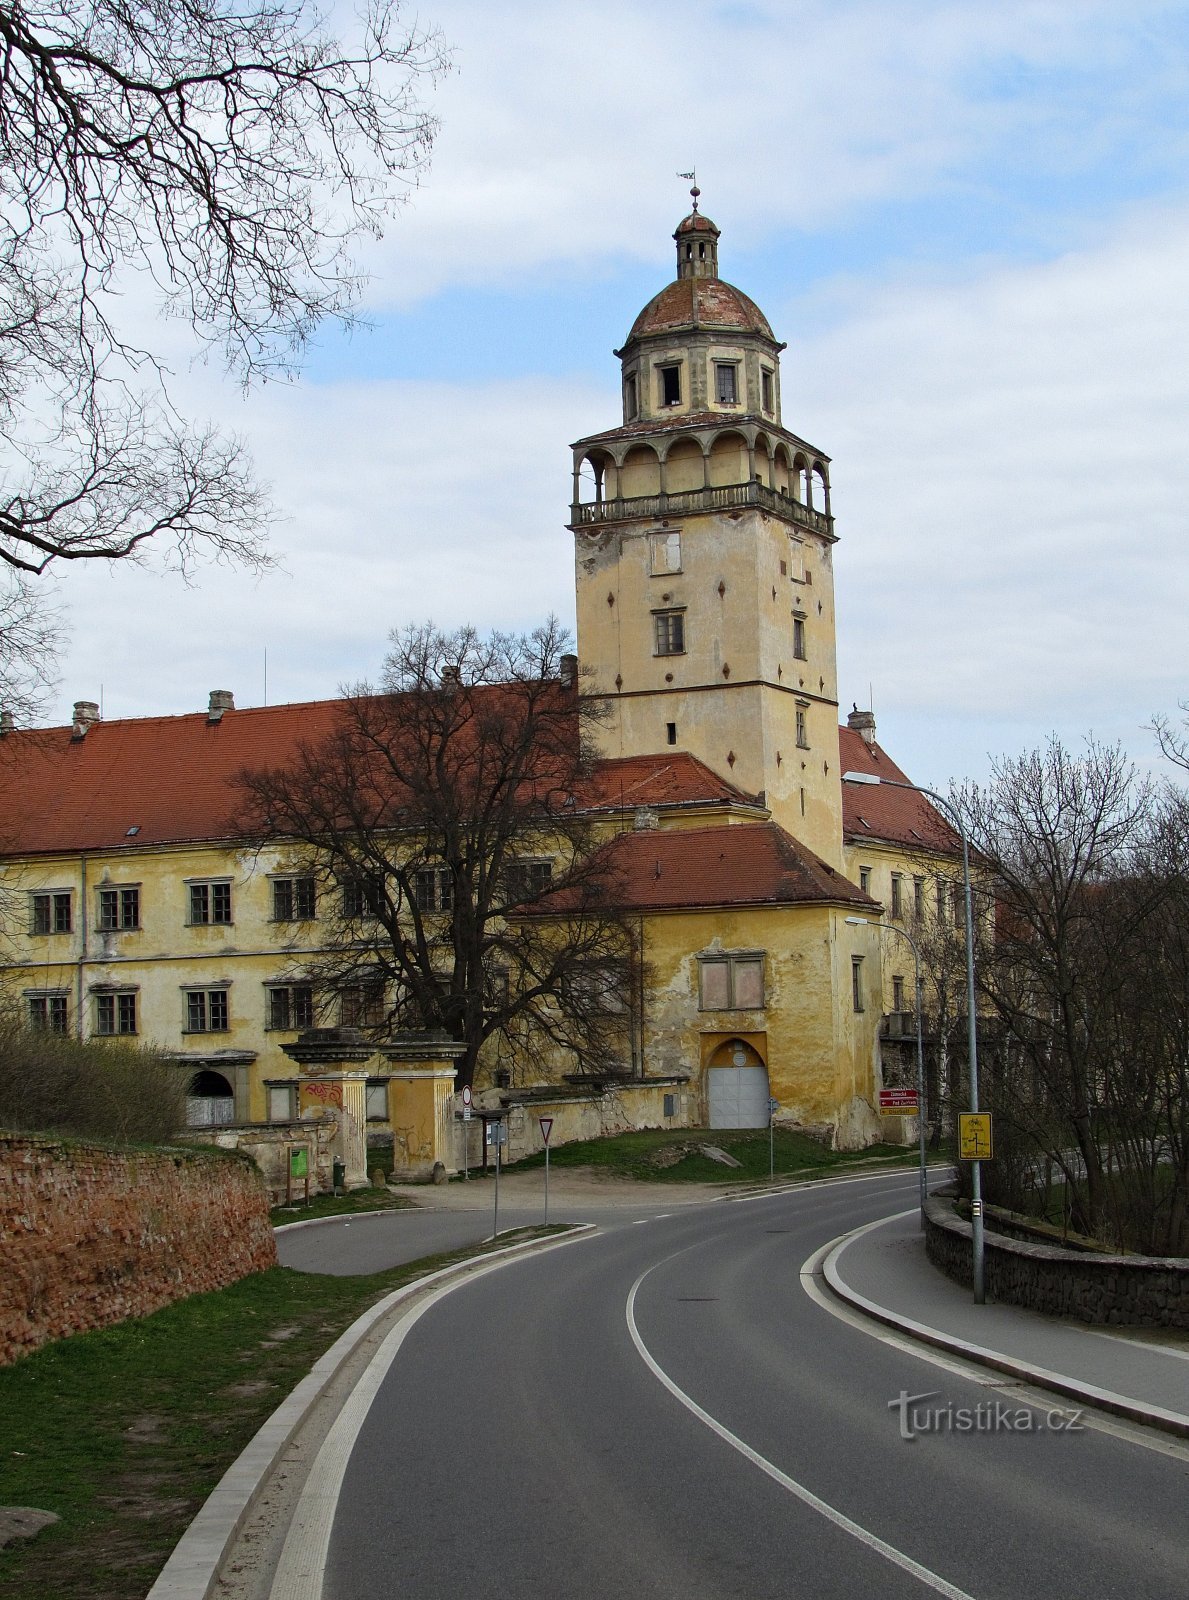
[206,1011]
[528,880]
[897,994]
[119,909]
[731,983]
[856,982]
[670,733]
[802,729]
[48,1011]
[943,900]
[897,896]
[630,402]
[664,552]
[377,1101]
[796,561]
[210,902]
[799,639]
[361,1005]
[726,383]
[918,897]
[293,900]
[865,879]
[51,913]
[290,1006]
[765,388]
[670,385]
[116,1012]
[362,897]
[280,1103]
[670,632]
[433,889]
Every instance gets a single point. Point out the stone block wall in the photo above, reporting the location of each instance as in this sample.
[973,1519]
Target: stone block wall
[1135,1291]
[91,1235]
[269,1144]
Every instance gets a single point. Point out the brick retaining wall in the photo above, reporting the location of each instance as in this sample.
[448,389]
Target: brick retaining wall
[90,1235]
[1136,1291]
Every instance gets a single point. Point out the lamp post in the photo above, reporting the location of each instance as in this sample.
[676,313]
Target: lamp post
[890,927]
[976,1182]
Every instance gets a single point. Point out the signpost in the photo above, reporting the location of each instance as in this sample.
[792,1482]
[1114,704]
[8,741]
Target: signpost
[898,1102]
[546,1130]
[773,1108]
[497,1135]
[466,1132]
[974,1136]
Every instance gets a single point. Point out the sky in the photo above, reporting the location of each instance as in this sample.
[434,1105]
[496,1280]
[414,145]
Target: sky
[969,222]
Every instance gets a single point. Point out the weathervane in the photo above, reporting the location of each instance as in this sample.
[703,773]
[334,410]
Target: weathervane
[693,178]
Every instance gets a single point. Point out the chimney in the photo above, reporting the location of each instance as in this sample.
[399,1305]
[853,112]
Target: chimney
[86,712]
[7,723]
[569,672]
[220,700]
[863,723]
[645,819]
[451,677]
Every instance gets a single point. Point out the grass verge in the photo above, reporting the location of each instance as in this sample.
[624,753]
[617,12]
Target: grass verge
[125,1431]
[339,1205]
[675,1156]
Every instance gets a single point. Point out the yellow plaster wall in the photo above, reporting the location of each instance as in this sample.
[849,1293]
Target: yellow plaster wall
[734,693]
[821,1057]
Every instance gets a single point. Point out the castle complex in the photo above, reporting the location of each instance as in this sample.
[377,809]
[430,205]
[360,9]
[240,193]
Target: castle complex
[704,549]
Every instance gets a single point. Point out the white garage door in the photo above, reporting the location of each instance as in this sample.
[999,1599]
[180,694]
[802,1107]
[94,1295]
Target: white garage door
[738,1097]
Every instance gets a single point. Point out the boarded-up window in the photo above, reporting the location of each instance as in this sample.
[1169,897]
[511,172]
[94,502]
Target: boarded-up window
[732,983]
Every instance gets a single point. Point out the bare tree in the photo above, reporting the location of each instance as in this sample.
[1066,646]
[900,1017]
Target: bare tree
[222,159]
[460,886]
[1173,741]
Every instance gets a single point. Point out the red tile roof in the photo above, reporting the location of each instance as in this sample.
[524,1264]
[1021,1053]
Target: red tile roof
[899,816]
[172,778]
[701,303]
[748,864]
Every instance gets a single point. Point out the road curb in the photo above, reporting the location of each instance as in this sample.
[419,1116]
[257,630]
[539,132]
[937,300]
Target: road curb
[190,1572]
[1060,1383]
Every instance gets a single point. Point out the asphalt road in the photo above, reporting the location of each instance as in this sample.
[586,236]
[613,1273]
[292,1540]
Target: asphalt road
[528,1440]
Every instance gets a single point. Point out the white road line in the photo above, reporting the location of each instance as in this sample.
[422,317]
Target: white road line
[301,1569]
[930,1579]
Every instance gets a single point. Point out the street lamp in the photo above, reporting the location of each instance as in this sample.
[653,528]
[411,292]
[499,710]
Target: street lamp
[890,927]
[976,1182]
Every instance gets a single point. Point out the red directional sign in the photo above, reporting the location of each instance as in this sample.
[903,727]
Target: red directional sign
[897,1102]
[546,1128]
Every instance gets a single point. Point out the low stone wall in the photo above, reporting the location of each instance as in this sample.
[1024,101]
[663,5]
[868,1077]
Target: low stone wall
[1137,1291]
[90,1235]
[577,1112]
[269,1145]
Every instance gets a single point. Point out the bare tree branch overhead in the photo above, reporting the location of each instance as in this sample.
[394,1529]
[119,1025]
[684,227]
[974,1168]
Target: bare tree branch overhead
[462,882]
[220,159]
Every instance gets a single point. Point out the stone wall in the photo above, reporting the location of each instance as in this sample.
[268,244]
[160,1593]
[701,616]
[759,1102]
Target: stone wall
[577,1112]
[1137,1291]
[269,1144]
[91,1235]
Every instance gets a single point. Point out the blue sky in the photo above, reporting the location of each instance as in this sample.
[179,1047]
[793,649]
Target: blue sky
[971,225]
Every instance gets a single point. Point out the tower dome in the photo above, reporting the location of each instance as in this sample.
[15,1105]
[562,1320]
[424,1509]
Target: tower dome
[700,345]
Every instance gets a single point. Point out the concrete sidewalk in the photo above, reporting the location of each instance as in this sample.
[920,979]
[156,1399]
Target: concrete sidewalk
[883,1271]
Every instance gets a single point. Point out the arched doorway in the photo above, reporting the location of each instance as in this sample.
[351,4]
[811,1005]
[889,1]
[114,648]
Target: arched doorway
[210,1100]
[737,1087]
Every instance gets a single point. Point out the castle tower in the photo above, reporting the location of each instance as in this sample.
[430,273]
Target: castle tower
[703,554]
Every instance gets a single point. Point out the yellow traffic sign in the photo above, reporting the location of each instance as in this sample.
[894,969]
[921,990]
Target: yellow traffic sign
[974,1136]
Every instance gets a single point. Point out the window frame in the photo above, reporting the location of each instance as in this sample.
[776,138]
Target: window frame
[208,1008]
[285,886]
[665,369]
[668,631]
[433,890]
[664,541]
[293,1008]
[897,903]
[802,709]
[865,879]
[800,652]
[210,892]
[767,390]
[733,961]
[857,996]
[54,1005]
[726,369]
[122,1006]
[121,896]
[51,912]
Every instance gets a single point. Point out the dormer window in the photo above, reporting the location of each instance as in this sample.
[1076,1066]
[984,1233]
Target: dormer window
[726,383]
[670,385]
